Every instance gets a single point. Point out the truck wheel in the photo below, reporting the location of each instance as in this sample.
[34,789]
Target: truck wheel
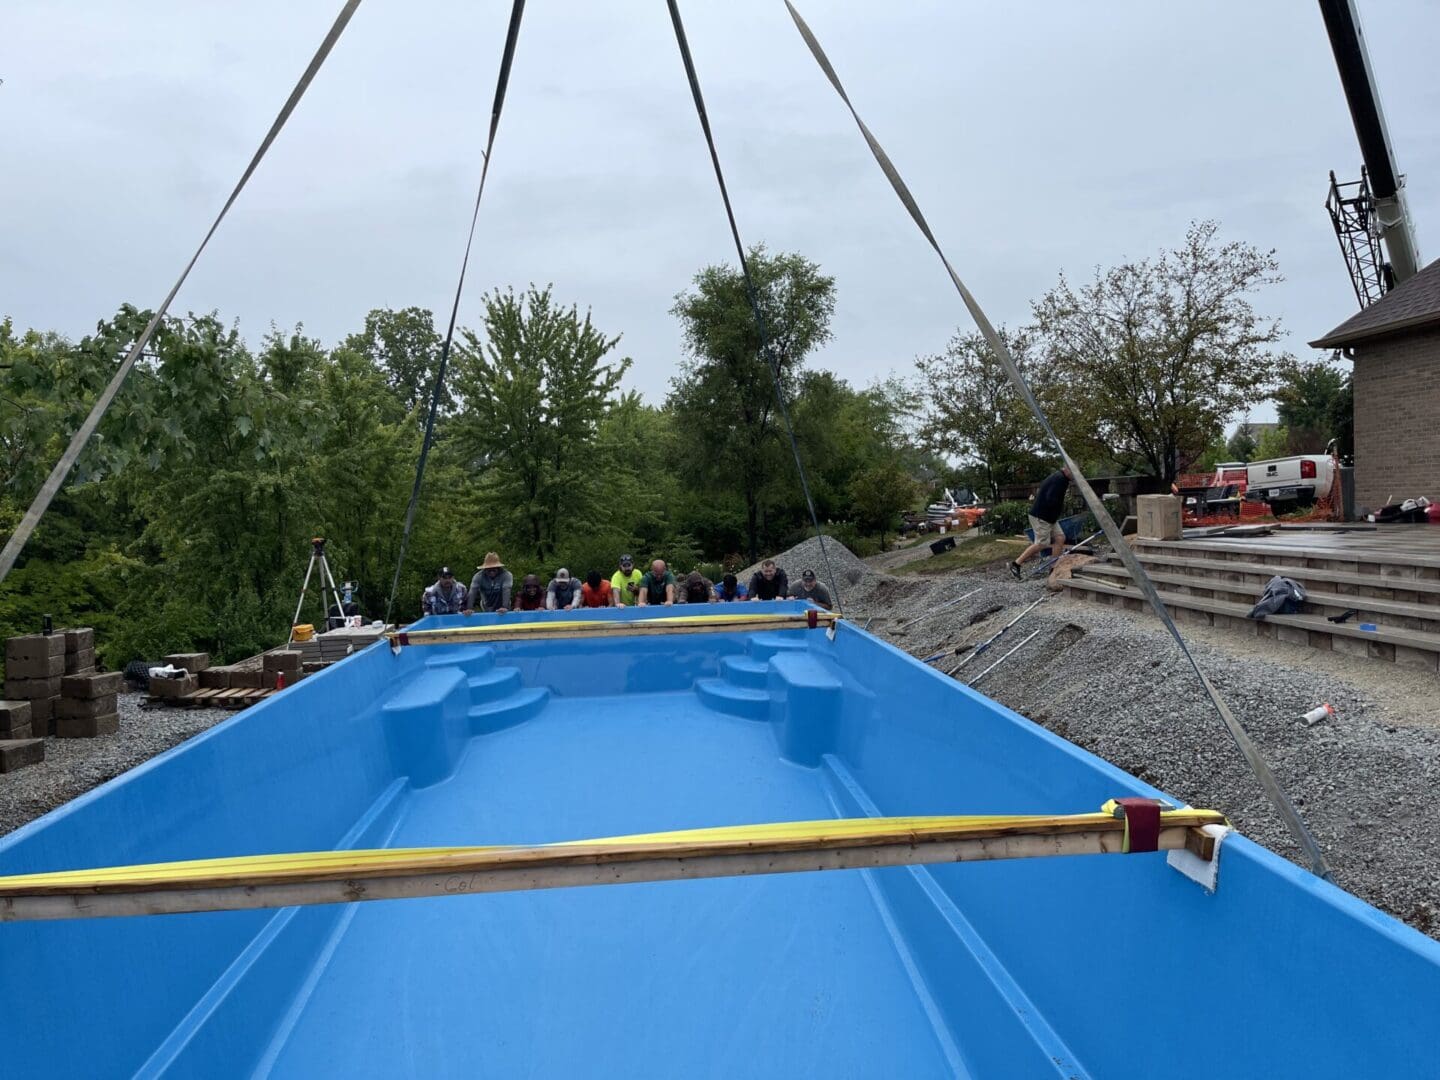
[1281,507]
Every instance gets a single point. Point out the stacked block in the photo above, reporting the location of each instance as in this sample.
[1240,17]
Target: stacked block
[79,651]
[87,706]
[15,720]
[17,753]
[174,688]
[286,662]
[193,662]
[34,666]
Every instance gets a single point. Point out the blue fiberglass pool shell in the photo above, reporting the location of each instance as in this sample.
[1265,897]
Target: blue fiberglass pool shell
[1054,967]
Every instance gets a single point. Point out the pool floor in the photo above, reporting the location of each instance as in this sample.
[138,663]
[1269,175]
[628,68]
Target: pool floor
[795,975]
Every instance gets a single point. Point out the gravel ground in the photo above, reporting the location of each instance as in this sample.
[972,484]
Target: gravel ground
[74,766]
[1114,683]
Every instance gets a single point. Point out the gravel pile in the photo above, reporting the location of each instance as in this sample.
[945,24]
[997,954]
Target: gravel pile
[1114,683]
[854,575]
[74,766]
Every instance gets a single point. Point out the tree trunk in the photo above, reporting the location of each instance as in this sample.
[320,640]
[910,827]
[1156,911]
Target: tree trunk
[751,523]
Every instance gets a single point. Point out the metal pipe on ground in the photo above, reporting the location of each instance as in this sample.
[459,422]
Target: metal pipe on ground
[934,611]
[1002,659]
[996,636]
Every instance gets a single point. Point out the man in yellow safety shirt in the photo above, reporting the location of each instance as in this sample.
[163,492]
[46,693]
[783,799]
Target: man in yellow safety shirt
[625,583]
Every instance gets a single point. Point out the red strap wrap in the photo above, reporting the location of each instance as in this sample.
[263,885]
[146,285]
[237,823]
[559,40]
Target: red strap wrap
[1142,824]
[812,618]
[403,638]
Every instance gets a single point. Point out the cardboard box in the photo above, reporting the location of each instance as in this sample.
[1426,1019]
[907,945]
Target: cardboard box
[35,667]
[95,685]
[32,689]
[81,639]
[31,646]
[193,662]
[173,688]
[79,662]
[87,727]
[1159,517]
[13,714]
[17,753]
[69,707]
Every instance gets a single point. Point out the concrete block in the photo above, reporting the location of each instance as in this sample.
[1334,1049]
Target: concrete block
[173,688]
[17,753]
[215,678]
[80,662]
[1381,650]
[29,646]
[1351,646]
[39,729]
[1319,639]
[13,714]
[1193,617]
[286,660]
[35,667]
[1420,659]
[70,708]
[87,727]
[193,662]
[79,639]
[42,709]
[1134,603]
[31,689]
[1265,629]
[19,731]
[249,678]
[106,684]
[1159,517]
[1295,635]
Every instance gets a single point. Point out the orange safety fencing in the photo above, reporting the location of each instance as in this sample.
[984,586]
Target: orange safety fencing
[1257,512]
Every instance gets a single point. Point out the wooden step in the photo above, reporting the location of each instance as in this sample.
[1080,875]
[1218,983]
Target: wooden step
[1401,615]
[1412,648]
[1426,590]
[1383,548]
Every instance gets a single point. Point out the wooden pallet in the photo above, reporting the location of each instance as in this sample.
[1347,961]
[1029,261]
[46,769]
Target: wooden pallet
[212,698]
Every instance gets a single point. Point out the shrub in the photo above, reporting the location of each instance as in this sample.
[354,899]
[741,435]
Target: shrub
[1006,518]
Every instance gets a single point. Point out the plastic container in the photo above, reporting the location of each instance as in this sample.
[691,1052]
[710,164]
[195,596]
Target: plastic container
[304,632]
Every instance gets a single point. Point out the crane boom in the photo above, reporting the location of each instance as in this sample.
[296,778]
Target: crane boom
[1387,184]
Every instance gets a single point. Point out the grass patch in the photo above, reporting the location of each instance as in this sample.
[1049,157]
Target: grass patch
[968,554]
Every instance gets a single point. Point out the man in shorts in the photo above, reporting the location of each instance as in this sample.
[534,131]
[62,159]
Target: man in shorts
[1045,514]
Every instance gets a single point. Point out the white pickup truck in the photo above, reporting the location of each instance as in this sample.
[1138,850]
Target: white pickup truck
[1290,482]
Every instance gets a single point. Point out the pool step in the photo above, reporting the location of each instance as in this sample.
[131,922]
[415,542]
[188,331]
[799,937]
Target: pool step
[508,711]
[744,671]
[472,659]
[765,645]
[736,700]
[492,685]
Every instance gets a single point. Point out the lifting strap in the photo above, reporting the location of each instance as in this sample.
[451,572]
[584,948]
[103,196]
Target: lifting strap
[334,877]
[750,294]
[1237,731]
[56,480]
[512,35]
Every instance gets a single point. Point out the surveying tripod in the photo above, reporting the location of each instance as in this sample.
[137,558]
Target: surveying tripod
[317,555]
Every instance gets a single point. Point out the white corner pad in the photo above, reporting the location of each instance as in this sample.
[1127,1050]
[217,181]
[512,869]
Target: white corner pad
[1204,872]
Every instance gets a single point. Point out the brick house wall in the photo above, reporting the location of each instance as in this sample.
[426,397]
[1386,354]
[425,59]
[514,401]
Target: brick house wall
[1397,418]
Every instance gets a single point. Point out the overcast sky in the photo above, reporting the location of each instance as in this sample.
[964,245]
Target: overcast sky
[1037,137]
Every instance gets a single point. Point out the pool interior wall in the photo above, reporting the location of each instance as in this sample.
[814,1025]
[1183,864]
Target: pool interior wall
[1098,966]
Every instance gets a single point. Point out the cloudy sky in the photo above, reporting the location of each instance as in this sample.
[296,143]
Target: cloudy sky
[1037,136]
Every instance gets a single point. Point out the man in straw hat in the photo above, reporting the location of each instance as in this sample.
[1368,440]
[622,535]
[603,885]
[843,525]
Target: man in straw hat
[491,585]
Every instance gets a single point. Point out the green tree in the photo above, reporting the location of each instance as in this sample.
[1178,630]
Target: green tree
[724,398]
[974,413]
[1273,443]
[1311,404]
[879,493]
[1151,357]
[535,392]
[405,345]
[1241,446]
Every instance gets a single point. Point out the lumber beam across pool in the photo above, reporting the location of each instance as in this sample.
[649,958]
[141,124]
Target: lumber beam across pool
[599,628]
[346,877]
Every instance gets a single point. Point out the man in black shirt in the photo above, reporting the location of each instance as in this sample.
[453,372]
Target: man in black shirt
[1045,513]
[769,582]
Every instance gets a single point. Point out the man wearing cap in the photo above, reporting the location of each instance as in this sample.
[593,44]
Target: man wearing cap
[563,592]
[625,583]
[491,585]
[446,597]
[810,588]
